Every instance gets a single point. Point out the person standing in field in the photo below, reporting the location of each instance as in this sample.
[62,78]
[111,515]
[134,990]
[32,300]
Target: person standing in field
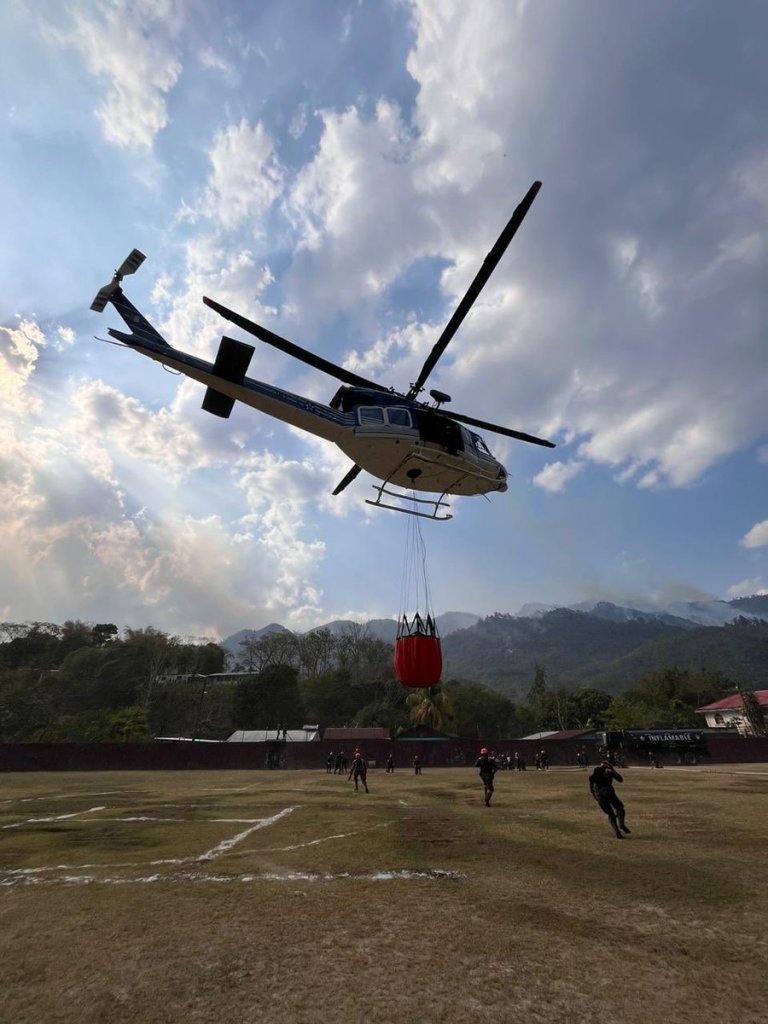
[416,764]
[359,771]
[390,770]
[329,762]
[487,768]
[601,787]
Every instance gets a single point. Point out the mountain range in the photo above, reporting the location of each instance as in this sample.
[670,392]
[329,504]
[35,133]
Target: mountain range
[597,644]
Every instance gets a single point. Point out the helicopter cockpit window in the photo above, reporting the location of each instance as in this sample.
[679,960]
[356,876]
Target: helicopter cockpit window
[370,414]
[399,417]
[481,445]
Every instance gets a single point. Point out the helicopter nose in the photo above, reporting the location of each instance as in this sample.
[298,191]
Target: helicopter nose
[502,478]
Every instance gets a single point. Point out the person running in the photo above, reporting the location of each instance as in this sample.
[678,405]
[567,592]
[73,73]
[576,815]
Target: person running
[416,764]
[488,769]
[601,787]
[359,771]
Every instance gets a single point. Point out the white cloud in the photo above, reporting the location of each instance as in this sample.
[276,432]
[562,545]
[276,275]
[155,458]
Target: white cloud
[556,475]
[747,588]
[354,208]
[19,352]
[298,124]
[213,61]
[245,179]
[131,45]
[66,337]
[757,537]
[168,441]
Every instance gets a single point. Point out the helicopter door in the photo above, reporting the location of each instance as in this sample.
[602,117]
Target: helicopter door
[440,430]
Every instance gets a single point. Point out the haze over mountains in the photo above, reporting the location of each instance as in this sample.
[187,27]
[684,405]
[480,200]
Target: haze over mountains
[685,614]
[592,644]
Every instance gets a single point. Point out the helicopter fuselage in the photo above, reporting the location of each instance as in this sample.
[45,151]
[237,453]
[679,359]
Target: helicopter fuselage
[396,439]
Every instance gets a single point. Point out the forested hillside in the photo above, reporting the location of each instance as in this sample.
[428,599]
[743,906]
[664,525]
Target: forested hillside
[581,649]
[503,677]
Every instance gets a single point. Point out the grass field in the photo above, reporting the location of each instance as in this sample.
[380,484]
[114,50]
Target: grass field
[285,896]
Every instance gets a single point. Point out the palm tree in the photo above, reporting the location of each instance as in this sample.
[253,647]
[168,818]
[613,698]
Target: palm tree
[430,707]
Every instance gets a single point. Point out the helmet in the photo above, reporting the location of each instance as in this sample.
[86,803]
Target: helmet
[484,750]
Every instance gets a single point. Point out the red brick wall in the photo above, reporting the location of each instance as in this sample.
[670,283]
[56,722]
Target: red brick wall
[157,756]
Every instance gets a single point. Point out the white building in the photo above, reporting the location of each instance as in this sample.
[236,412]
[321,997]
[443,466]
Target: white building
[728,713]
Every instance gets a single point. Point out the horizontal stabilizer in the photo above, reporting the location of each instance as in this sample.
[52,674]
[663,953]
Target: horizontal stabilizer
[218,404]
[131,263]
[232,361]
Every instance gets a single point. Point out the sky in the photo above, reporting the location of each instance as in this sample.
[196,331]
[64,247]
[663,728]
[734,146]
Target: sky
[338,171]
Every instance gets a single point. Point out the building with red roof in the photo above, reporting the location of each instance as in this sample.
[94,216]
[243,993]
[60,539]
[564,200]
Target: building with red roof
[728,713]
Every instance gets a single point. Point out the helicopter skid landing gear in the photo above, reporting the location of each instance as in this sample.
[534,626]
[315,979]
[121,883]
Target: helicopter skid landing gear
[437,504]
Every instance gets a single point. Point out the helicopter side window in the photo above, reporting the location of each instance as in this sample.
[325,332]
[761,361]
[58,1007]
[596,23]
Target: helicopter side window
[370,414]
[399,417]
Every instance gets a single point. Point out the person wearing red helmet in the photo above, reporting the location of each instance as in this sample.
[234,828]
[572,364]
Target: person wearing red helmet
[487,769]
[601,787]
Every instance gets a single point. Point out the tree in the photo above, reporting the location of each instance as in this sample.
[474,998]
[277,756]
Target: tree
[483,713]
[753,713]
[268,699]
[589,706]
[430,707]
[537,694]
[633,711]
[316,651]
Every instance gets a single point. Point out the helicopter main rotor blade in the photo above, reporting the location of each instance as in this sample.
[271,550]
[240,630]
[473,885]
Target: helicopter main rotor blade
[347,480]
[506,431]
[291,349]
[489,265]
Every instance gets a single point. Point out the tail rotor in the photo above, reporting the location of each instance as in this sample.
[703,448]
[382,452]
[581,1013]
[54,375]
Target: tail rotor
[130,265]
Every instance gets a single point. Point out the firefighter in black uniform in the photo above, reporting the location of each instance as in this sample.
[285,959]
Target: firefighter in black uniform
[601,787]
[359,771]
[487,771]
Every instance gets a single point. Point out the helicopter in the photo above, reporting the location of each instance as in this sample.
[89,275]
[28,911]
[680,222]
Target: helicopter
[402,441]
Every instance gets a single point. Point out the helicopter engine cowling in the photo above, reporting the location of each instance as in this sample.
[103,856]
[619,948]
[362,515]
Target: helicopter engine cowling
[231,364]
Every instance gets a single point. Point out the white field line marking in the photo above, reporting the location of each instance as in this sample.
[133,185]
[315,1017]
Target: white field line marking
[226,845]
[429,874]
[58,817]
[238,821]
[66,796]
[325,839]
[13,875]
[12,872]
[217,851]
